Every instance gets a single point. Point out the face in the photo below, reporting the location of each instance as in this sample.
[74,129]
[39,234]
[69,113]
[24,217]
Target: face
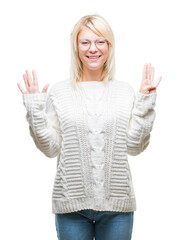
[101,53]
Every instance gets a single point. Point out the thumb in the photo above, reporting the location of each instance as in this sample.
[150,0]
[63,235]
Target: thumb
[149,87]
[45,88]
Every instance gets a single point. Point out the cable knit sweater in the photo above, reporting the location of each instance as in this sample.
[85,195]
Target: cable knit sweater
[94,91]
[91,144]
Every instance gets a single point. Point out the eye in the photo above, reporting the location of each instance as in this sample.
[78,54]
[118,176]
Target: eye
[84,42]
[100,42]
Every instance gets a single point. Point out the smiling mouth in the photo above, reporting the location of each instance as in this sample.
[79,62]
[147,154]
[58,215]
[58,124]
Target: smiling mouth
[95,57]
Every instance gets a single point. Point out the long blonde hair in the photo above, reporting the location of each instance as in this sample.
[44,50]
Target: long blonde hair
[99,25]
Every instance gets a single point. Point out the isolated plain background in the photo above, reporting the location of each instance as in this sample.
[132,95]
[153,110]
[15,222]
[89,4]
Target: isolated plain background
[35,34]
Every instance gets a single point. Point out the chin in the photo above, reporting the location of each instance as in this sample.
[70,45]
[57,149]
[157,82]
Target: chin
[94,67]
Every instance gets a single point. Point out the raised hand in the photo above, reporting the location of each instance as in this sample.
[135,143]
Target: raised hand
[147,85]
[31,85]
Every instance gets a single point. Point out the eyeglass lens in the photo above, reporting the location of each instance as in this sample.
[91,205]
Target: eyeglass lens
[99,42]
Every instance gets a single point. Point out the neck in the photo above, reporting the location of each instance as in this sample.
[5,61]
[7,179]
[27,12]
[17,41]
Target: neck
[89,75]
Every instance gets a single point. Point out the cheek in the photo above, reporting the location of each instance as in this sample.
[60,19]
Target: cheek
[81,54]
[107,54]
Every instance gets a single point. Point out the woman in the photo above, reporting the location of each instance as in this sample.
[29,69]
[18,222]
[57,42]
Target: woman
[91,122]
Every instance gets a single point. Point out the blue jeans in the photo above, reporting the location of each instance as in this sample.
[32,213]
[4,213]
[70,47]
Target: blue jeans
[87,224]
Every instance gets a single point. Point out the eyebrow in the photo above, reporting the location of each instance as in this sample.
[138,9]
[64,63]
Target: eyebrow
[95,39]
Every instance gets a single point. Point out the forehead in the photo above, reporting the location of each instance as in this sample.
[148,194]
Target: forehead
[87,33]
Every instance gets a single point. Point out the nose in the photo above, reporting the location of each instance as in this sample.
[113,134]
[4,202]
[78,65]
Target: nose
[93,47]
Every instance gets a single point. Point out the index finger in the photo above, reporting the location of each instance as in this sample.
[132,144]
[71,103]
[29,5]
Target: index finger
[35,77]
[21,88]
[144,73]
[158,81]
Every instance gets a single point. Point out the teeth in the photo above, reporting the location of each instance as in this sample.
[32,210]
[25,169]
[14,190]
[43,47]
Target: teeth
[93,57]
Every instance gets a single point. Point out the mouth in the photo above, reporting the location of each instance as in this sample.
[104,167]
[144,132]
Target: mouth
[93,58]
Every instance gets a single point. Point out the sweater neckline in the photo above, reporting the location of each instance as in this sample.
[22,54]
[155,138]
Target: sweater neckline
[95,84]
[92,84]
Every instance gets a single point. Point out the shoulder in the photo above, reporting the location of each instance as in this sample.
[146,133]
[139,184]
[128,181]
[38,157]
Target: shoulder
[125,86]
[59,86]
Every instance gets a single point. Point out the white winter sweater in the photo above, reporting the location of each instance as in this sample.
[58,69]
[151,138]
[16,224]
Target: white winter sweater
[61,125]
[94,91]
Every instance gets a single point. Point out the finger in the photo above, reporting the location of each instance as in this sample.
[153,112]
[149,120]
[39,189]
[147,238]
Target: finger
[152,74]
[158,81]
[149,88]
[149,73]
[29,79]
[25,81]
[21,88]
[44,90]
[35,78]
[144,73]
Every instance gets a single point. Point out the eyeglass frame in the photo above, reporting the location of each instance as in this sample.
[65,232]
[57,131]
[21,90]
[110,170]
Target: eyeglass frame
[100,38]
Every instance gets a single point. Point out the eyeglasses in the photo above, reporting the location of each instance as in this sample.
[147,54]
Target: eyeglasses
[100,43]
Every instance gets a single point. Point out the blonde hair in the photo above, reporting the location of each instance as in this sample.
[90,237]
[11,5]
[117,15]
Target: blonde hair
[99,26]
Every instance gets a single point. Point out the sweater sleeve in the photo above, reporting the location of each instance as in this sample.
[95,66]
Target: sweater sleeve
[141,122]
[44,125]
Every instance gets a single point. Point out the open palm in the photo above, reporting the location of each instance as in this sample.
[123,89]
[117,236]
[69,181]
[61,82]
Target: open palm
[31,85]
[147,85]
